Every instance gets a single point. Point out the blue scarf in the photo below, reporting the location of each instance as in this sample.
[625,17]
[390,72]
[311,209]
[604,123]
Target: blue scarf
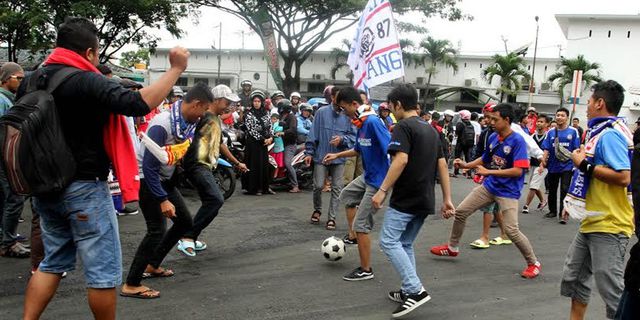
[179,127]
[575,202]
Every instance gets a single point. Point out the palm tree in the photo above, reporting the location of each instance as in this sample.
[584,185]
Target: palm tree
[340,55]
[438,51]
[510,69]
[590,73]
[409,55]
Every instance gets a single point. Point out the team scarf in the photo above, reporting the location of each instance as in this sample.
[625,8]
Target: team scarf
[362,113]
[180,129]
[575,201]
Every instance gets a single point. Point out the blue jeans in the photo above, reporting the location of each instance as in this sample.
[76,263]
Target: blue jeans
[399,230]
[81,220]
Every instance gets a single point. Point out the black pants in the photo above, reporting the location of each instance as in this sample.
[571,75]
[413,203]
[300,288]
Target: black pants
[562,179]
[156,243]
[212,200]
[462,150]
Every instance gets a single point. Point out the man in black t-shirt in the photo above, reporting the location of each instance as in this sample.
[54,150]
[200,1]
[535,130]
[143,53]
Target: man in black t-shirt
[416,157]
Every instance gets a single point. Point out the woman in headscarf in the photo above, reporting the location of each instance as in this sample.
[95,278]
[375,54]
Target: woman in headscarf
[258,138]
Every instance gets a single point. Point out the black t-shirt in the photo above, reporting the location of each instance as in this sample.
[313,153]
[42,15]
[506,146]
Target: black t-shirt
[85,101]
[414,192]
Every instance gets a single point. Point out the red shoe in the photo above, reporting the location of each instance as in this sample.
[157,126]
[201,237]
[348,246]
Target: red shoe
[443,250]
[532,271]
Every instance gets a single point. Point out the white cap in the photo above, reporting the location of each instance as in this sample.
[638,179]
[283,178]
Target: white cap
[222,91]
[177,91]
[531,109]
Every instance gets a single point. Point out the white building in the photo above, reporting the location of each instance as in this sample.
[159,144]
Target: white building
[611,41]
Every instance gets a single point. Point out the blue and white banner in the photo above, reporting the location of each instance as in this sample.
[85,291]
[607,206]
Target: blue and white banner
[375,56]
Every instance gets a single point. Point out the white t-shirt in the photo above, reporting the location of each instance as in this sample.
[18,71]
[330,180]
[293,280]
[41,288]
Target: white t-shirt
[477,129]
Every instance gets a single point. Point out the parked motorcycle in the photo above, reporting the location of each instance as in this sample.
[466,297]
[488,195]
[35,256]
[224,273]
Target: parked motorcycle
[225,178]
[303,172]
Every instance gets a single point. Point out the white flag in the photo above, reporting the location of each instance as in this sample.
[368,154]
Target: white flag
[375,56]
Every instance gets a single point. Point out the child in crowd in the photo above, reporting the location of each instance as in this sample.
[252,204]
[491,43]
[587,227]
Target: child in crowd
[278,145]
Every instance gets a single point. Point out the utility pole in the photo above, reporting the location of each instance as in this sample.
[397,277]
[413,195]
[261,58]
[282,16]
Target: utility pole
[219,52]
[506,51]
[533,71]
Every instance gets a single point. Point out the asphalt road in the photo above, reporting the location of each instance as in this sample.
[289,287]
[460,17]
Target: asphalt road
[264,262]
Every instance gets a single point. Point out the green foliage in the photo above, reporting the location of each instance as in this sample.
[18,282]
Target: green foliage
[510,68]
[590,73]
[130,58]
[120,22]
[436,52]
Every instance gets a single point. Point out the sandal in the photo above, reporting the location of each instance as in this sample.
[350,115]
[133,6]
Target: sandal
[497,241]
[479,244]
[200,245]
[315,217]
[144,294]
[187,247]
[331,224]
[16,250]
[164,273]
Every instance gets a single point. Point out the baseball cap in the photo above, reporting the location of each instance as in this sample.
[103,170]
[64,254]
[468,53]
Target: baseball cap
[531,109]
[177,91]
[222,91]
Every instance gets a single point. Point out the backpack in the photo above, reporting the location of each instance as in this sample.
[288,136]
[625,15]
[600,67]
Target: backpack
[35,154]
[468,135]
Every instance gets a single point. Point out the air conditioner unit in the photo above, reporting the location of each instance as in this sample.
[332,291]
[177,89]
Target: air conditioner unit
[468,82]
[545,86]
[318,76]
[420,80]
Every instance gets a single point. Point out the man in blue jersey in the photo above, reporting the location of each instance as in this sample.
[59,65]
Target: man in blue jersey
[371,144]
[557,146]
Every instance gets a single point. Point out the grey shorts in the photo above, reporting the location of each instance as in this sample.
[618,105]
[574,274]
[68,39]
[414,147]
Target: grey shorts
[358,193]
[597,255]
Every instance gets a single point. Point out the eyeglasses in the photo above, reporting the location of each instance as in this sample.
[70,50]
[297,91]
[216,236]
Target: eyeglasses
[17,78]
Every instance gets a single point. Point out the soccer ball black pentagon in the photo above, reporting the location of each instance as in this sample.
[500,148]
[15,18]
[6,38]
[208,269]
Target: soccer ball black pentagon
[333,249]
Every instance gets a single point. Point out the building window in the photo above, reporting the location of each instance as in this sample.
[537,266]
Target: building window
[529,68]
[481,66]
[590,33]
[609,34]
[465,64]
[628,34]
[225,81]
[545,68]
[315,86]
[182,82]
[203,80]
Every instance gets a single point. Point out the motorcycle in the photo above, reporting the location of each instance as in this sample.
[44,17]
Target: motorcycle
[225,178]
[232,139]
[303,172]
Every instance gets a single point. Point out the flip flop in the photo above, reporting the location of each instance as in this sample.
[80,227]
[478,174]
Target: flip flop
[184,246]
[141,294]
[497,241]
[165,273]
[479,244]
[200,245]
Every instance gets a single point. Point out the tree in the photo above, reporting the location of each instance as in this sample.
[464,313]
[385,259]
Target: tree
[131,58]
[340,55]
[510,68]
[438,51]
[590,73]
[301,26]
[119,22]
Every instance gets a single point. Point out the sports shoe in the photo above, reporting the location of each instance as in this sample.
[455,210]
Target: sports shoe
[525,209]
[128,211]
[563,221]
[551,215]
[358,274]
[532,271]
[397,296]
[443,250]
[542,204]
[411,302]
[348,240]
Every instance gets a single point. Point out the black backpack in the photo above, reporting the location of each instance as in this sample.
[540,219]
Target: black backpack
[468,135]
[35,154]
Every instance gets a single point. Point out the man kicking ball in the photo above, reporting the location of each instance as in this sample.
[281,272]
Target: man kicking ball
[506,159]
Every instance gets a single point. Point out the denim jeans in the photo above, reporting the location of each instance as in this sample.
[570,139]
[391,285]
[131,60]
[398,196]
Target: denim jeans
[399,231]
[157,243]
[81,220]
[336,171]
[289,153]
[212,200]
[12,205]
[629,306]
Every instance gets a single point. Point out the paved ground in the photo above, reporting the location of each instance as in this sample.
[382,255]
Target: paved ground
[264,262]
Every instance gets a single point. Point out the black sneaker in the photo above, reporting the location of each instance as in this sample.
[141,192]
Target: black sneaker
[551,215]
[411,302]
[397,296]
[128,211]
[358,274]
[348,240]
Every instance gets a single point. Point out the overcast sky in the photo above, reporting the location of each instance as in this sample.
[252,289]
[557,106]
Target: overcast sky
[493,19]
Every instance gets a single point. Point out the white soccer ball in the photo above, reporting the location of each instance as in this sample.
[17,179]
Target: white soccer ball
[333,248]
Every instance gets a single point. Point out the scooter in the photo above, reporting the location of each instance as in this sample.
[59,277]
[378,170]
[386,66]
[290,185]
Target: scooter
[225,178]
[303,172]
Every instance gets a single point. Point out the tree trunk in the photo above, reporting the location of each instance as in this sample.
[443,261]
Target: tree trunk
[291,80]
[428,85]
